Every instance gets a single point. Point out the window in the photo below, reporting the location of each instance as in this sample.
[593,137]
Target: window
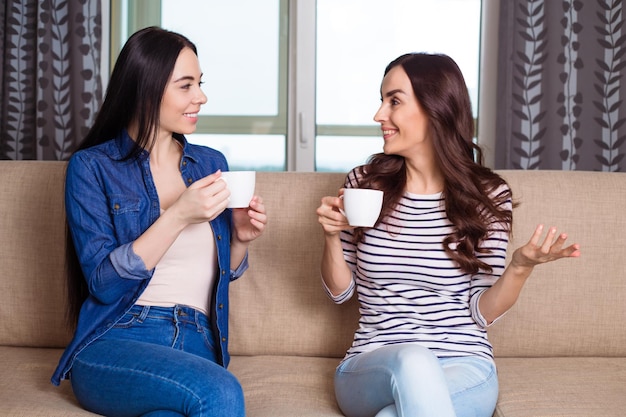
[294,84]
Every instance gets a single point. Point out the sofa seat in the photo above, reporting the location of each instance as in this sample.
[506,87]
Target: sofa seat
[567,387]
[25,388]
[293,382]
[562,386]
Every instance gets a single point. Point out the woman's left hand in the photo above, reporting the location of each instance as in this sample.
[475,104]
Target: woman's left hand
[534,253]
[249,223]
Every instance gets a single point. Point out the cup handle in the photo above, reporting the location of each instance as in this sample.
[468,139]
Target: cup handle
[340,209]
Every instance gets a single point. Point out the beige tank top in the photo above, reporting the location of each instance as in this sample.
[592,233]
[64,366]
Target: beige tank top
[186,273]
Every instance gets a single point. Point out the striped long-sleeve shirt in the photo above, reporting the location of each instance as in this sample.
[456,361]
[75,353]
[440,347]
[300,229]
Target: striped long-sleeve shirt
[410,291]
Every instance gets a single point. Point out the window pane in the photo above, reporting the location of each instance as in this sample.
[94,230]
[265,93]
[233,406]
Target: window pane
[341,153]
[356,39]
[247,152]
[238,48]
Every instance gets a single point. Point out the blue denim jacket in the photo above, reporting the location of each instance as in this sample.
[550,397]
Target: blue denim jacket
[110,203]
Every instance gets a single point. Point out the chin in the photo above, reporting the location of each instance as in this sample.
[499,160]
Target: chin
[387,150]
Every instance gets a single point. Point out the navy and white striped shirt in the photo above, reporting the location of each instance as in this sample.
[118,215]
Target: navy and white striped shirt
[410,291]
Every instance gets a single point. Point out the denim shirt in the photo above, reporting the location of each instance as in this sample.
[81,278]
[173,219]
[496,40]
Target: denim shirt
[109,203]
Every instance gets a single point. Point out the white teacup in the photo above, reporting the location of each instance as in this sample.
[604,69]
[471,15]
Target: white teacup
[241,186]
[362,206]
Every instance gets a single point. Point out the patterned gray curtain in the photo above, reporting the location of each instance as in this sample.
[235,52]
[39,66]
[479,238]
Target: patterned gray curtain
[561,85]
[51,85]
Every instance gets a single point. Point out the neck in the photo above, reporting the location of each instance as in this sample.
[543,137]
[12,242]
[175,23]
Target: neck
[165,151]
[424,179]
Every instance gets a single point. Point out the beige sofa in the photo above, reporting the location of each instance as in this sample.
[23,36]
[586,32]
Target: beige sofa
[561,351]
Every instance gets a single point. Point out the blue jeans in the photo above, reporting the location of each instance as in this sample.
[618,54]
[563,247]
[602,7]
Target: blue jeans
[408,380]
[156,362]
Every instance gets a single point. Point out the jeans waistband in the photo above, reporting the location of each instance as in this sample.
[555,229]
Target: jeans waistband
[179,313]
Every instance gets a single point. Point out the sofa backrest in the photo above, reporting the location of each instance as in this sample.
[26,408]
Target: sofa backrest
[279,306]
[32,243]
[567,308]
[571,307]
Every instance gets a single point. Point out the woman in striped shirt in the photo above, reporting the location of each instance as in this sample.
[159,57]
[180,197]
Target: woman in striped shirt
[430,276]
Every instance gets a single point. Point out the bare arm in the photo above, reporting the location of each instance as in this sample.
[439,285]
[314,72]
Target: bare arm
[504,293]
[335,271]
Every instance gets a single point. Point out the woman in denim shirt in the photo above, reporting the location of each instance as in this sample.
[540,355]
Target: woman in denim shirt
[151,245]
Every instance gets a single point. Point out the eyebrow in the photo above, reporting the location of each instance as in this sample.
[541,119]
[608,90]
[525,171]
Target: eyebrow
[392,92]
[186,78]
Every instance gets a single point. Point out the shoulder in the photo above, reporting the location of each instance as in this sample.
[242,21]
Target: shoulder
[208,158]
[204,153]
[353,178]
[494,185]
[103,153]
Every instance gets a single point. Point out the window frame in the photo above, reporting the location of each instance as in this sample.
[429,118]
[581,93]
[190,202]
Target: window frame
[296,96]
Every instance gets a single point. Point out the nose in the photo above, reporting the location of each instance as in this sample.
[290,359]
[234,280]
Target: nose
[380,114]
[201,98]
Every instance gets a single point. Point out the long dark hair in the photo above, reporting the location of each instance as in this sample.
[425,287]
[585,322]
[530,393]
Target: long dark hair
[134,95]
[469,186]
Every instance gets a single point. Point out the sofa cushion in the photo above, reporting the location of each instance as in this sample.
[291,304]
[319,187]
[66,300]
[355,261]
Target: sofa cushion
[274,386]
[25,388]
[567,387]
[32,226]
[287,386]
[572,307]
[278,306]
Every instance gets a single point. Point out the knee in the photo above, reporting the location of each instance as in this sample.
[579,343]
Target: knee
[232,392]
[221,396]
[411,361]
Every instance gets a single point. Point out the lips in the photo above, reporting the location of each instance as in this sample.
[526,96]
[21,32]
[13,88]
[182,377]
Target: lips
[388,132]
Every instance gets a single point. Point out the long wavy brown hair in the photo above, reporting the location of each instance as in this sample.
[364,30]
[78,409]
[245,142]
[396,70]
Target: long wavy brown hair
[469,187]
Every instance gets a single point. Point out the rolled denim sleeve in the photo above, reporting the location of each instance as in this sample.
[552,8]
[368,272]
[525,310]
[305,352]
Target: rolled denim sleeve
[243,267]
[128,264]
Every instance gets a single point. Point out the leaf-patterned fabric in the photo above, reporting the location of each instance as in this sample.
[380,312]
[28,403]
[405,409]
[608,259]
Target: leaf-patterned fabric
[51,85]
[561,85]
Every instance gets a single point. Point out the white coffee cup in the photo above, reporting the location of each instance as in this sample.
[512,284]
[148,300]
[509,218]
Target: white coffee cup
[362,206]
[241,186]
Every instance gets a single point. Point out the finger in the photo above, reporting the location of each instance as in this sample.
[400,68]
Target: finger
[257,204]
[258,224]
[257,217]
[335,215]
[547,243]
[333,218]
[208,180]
[558,244]
[534,239]
[326,201]
[572,251]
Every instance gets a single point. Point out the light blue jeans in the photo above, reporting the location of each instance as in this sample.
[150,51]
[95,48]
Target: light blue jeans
[408,380]
[156,362]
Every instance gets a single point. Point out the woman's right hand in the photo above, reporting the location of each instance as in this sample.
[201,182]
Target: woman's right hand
[330,216]
[336,273]
[203,200]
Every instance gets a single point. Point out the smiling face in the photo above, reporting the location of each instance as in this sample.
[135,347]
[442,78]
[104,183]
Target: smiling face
[183,96]
[403,121]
